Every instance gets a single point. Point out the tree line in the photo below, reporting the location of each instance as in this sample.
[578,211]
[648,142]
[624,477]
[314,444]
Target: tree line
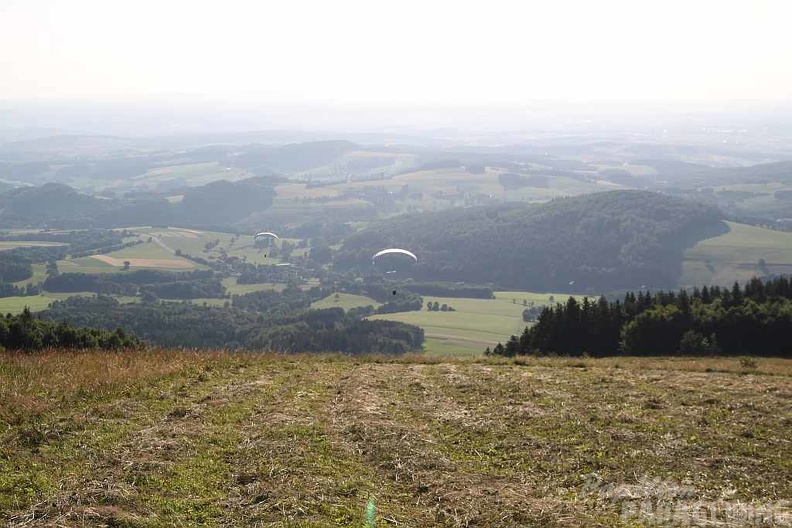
[755,319]
[26,332]
[151,283]
[267,320]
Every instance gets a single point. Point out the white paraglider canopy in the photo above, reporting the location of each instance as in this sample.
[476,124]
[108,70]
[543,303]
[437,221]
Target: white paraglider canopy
[391,251]
[266,234]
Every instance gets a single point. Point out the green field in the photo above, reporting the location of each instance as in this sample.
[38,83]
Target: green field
[536,298]
[231,286]
[36,303]
[146,250]
[194,242]
[178,438]
[86,265]
[145,255]
[475,325]
[345,301]
[439,188]
[208,301]
[191,174]
[39,275]
[733,256]
[23,243]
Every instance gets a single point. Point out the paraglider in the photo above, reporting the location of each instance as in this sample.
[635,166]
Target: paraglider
[393,251]
[270,237]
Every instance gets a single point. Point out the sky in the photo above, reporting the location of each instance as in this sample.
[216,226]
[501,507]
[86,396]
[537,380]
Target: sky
[459,52]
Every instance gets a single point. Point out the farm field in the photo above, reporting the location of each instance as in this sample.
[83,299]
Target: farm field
[217,439]
[233,288]
[191,174]
[475,325]
[145,255]
[36,303]
[26,243]
[194,242]
[345,301]
[39,275]
[735,255]
[440,187]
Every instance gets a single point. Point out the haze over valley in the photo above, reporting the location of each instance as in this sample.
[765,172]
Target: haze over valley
[361,264]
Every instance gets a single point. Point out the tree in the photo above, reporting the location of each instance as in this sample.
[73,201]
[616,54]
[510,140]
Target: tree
[52,267]
[696,344]
[320,251]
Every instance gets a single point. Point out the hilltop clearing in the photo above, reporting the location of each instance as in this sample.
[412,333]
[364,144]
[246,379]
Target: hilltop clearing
[218,439]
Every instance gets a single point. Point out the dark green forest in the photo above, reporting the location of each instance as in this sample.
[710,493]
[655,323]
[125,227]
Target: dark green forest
[28,333]
[151,283]
[601,242]
[755,319]
[266,320]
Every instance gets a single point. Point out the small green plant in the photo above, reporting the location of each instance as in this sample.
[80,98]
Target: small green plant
[371,514]
[748,362]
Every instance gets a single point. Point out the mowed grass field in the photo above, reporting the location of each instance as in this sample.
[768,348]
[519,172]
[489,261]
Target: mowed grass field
[194,242]
[734,255]
[475,325]
[145,255]
[22,243]
[36,303]
[344,300]
[173,438]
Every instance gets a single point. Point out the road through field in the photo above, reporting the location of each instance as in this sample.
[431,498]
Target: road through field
[158,240]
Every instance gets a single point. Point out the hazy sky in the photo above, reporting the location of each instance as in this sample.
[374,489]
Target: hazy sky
[398,51]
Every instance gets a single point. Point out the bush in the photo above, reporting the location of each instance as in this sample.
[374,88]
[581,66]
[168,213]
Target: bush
[748,362]
[696,344]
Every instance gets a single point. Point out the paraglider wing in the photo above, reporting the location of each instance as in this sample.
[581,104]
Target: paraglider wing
[394,250]
[266,233]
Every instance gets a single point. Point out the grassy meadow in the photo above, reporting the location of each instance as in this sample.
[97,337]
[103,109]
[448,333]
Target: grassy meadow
[734,256]
[476,323]
[176,438]
[36,303]
[345,301]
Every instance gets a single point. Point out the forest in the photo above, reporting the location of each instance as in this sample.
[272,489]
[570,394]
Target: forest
[265,320]
[28,333]
[159,284]
[597,243]
[753,319]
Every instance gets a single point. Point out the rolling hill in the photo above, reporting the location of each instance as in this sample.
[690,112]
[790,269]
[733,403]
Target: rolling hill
[593,243]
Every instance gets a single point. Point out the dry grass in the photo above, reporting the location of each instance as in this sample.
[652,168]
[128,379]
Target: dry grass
[181,438]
